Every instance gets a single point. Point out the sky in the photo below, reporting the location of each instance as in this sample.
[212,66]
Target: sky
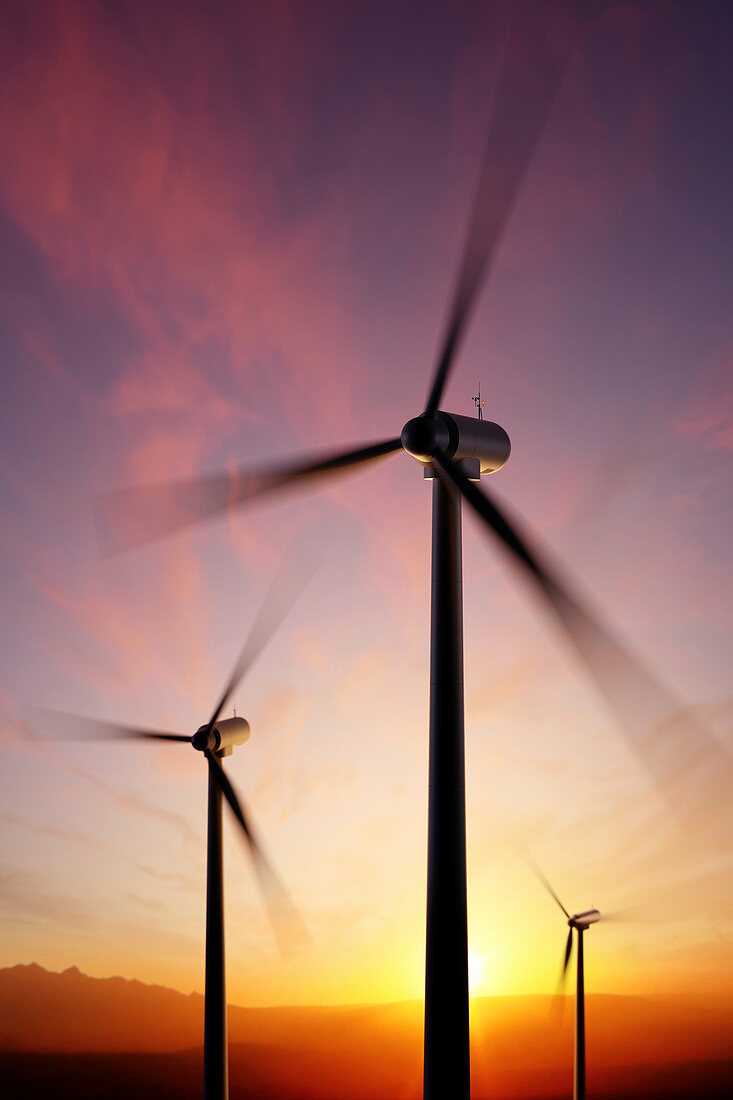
[228,234]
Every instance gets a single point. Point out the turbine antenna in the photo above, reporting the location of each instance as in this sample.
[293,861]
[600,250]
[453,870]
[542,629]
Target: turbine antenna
[479,403]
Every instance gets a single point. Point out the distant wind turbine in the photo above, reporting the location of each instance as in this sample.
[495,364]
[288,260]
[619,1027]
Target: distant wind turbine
[580,922]
[216,739]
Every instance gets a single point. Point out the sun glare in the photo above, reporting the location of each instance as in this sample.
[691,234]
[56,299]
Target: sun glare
[475,970]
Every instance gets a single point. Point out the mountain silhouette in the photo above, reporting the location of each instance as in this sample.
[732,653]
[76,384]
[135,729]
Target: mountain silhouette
[65,1035]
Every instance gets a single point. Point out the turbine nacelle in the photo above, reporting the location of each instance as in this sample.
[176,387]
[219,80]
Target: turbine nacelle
[224,734]
[581,921]
[457,437]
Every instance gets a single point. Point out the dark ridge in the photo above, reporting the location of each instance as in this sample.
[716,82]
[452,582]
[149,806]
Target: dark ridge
[148,1076]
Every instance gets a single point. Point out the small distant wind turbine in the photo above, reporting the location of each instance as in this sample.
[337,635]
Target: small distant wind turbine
[216,739]
[580,922]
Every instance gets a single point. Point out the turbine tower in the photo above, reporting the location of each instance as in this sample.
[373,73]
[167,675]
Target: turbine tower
[581,922]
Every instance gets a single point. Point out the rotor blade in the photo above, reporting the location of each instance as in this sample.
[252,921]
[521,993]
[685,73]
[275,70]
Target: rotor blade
[130,517]
[633,915]
[568,952]
[557,1009]
[74,727]
[292,576]
[287,923]
[544,880]
[540,43]
[693,771]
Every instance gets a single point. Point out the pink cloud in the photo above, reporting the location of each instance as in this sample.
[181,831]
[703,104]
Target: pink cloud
[167,212]
[708,419]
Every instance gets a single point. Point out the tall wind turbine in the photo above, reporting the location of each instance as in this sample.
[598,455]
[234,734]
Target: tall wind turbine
[580,922]
[216,739]
[455,452]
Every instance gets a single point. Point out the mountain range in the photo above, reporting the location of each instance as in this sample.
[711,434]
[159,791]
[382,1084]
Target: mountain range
[70,1035]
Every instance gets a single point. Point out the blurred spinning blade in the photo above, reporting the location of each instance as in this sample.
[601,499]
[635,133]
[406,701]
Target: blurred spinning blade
[543,879]
[566,959]
[289,928]
[558,1000]
[131,517]
[293,575]
[541,41]
[60,726]
[692,771]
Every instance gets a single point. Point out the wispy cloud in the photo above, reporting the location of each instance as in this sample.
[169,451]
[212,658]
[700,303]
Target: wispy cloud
[132,802]
[708,419]
[178,879]
[70,836]
[27,899]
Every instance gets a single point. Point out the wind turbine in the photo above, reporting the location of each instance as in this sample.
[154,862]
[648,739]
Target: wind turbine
[455,452]
[216,739]
[580,922]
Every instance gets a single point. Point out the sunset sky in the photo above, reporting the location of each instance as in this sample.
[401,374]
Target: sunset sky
[228,233]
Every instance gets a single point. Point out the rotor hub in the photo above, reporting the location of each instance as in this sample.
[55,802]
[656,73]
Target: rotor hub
[423,436]
[204,739]
[225,733]
[581,921]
